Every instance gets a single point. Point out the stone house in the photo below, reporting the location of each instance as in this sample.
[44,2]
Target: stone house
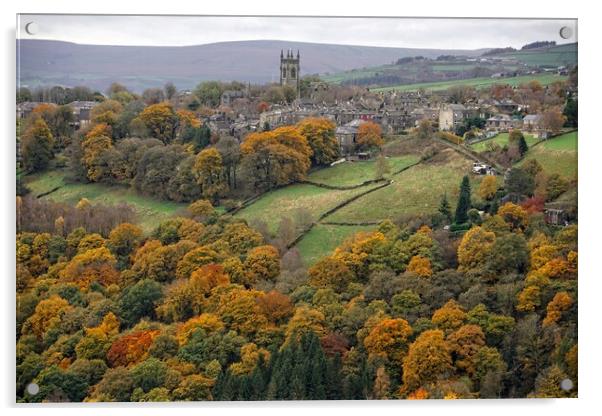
[347,136]
[420,113]
[531,122]
[25,108]
[501,122]
[81,112]
[451,116]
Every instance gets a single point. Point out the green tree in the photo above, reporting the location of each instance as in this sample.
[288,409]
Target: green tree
[149,374]
[522,145]
[518,181]
[463,206]
[140,301]
[36,146]
[209,93]
[570,112]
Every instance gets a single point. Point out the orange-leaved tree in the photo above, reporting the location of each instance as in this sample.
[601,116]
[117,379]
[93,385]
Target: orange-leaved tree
[369,136]
[276,157]
[319,133]
[389,338]
[428,359]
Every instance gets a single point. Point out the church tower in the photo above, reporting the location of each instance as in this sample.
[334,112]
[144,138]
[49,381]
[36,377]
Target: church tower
[289,70]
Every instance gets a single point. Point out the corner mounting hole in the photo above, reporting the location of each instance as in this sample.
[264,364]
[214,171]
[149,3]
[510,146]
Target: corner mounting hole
[566,32]
[566,384]
[31,28]
[33,389]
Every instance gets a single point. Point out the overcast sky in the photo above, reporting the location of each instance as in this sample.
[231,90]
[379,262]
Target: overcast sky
[393,32]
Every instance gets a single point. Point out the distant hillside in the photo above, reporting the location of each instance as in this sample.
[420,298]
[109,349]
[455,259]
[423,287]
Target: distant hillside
[507,62]
[45,62]
[547,56]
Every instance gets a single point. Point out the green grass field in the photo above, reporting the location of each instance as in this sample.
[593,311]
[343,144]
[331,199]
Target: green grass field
[502,139]
[149,211]
[339,77]
[285,202]
[556,155]
[477,83]
[353,173]
[323,239]
[417,190]
[565,142]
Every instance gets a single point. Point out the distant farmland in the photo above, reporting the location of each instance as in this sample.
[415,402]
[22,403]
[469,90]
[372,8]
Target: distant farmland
[423,71]
[477,83]
[546,57]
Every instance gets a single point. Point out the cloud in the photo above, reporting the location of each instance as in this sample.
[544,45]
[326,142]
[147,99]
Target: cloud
[393,32]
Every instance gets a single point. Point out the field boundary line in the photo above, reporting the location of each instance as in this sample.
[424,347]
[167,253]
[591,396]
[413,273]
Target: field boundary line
[341,187]
[347,202]
[471,154]
[43,194]
[350,224]
[332,210]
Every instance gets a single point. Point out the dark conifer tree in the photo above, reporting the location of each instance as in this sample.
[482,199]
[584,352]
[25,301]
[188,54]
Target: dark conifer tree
[259,380]
[245,390]
[334,383]
[463,202]
[522,145]
[570,112]
[316,369]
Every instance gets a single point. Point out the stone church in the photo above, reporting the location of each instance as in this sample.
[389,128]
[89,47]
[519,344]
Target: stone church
[289,70]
